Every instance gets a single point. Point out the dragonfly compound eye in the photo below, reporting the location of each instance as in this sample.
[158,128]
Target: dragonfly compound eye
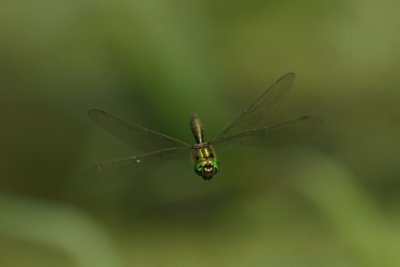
[198,168]
[207,168]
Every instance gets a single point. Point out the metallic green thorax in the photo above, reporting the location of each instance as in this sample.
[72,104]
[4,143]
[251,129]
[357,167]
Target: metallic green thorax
[203,154]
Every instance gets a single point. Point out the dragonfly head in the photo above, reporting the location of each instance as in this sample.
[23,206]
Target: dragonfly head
[206,168]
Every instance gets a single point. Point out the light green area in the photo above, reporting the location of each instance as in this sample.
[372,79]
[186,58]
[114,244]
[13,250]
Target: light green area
[332,201]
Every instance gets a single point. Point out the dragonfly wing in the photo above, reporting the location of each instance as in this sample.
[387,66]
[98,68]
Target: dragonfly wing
[277,134]
[135,165]
[139,137]
[258,113]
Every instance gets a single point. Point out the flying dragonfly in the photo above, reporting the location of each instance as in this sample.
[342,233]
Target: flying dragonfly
[252,127]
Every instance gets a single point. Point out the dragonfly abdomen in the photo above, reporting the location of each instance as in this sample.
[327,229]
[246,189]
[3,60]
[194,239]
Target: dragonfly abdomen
[197,128]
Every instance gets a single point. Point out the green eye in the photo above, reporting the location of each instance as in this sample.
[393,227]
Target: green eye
[199,168]
[215,165]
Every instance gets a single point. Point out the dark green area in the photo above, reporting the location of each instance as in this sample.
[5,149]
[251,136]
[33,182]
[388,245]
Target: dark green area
[330,201]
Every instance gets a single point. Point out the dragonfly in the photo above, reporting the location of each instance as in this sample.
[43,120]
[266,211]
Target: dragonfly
[254,126]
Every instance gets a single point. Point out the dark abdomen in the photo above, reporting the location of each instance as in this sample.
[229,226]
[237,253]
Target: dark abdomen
[197,128]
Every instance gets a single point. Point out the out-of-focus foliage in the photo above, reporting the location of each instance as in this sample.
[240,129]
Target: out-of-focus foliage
[332,201]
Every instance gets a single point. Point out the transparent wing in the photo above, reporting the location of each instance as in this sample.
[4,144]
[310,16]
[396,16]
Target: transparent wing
[277,134]
[257,115]
[135,165]
[137,136]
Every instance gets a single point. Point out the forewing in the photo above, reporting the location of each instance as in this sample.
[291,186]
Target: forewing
[258,114]
[277,134]
[139,137]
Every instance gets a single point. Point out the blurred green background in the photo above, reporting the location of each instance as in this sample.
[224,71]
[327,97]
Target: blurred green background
[332,201]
